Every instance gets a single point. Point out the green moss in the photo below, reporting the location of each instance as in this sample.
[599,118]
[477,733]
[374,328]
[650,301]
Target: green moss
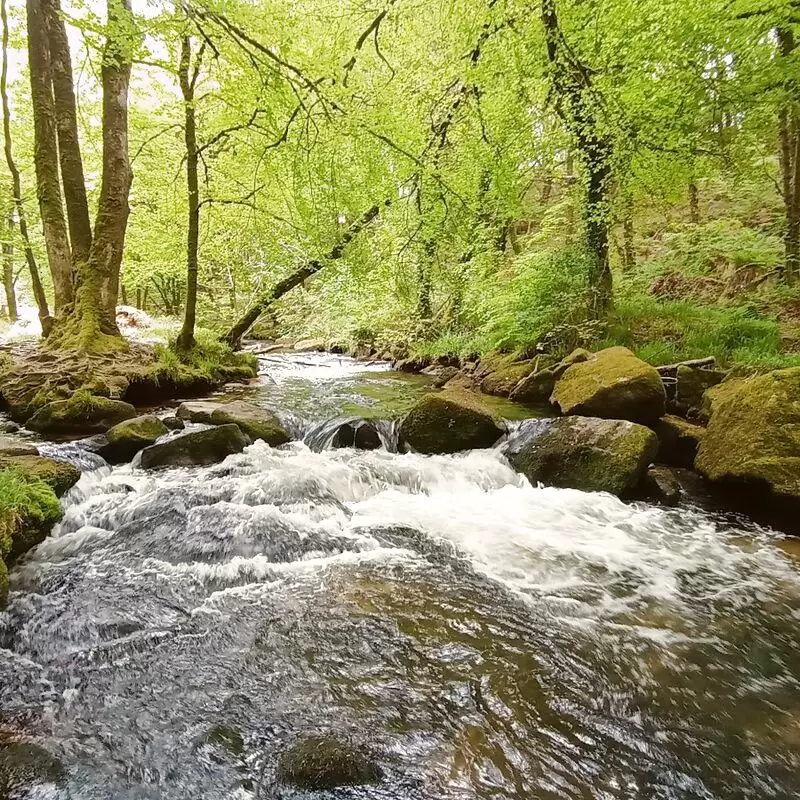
[81,413]
[505,379]
[58,475]
[256,422]
[322,762]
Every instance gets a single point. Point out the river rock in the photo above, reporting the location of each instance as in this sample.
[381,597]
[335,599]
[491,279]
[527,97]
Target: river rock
[444,376]
[611,384]
[324,762]
[753,438]
[678,441]
[535,388]
[82,413]
[503,381]
[693,382]
[595,455]
[256,422]
[660,484]
[204,447]
[10,446]
[58,475]
[360,434]
[448,422]
[24,766]
[174,423]
[197,411]
[125,440]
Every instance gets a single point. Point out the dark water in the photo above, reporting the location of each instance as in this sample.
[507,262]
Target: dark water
[486,639]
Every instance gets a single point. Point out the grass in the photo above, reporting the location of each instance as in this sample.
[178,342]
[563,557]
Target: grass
[23,498]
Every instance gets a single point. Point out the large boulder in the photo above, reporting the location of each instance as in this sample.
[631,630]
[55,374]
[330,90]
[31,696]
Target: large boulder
[536,387]
[81,414]
[324,762]
[448,422]
[753,438]
[678,441]
[595,455]
[125,440]
[256,422]
[58,475]
[208,446]
[503,381]
[197,411]
[611,384]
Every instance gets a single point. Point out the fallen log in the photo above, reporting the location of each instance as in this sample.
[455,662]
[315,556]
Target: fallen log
[671,370]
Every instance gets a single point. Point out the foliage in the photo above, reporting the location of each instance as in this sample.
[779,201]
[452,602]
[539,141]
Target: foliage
[23,498]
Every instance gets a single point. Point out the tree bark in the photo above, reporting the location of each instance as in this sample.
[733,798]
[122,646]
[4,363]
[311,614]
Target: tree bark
[694,202]
[234,336]
[8,271]
[46,158]
[72,177]
[185,340]
[16,186]
[789,157]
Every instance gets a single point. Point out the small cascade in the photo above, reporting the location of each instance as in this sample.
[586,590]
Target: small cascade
[353,432]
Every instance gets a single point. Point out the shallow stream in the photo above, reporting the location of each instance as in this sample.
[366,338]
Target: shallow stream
[483,637]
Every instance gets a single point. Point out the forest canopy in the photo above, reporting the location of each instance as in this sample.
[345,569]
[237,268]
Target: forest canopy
[453,176]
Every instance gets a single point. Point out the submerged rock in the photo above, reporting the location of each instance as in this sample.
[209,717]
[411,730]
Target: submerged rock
[611,384]
[678,441]
[204,447]
[661,485]
[587,453]
[10,446]
[753,438]
[324,762]
[360,434]
[448,422]
[24,766]
[125,440]
[82,413]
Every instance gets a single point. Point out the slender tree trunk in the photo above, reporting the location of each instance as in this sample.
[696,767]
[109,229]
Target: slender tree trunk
[16,186]
[234,336]
[694,202]
[8,270]
[185,340]
[72,177]
[46,158]
[789,156]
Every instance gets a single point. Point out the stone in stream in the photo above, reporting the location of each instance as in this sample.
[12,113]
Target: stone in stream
[448,422]
[503,381]
[256,422]
[24,766]
[752,442]
[325,762]
[587,453]
[58,475]
[611,384]
[205,447]
[10,446]
[660,484]
[678,441]
[81,414]
[692,383]
[125,440]
[535,388]
[360,434]
[174,423]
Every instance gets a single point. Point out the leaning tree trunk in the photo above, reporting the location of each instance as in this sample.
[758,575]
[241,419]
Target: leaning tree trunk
[789,156]
[8,271]
[234,336]
[185,340]
[46,157]
[92,325]
[16,186]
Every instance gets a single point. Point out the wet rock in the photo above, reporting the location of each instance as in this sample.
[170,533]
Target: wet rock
[310,345]
[535,388]
[225,737]
[753,438]
[595,455]
[256,422]
[173,423]
[82,413]
[611,384]
[195,448]
[466,381]
[503,381]
[125,440]
[16,447]
[448,422]
[416,364]
[678,441]
[444,376]
[360,434]
[324,762]
[8,427]
[24,766]
[197,411]
[693,382]
[58,475]
[661,485]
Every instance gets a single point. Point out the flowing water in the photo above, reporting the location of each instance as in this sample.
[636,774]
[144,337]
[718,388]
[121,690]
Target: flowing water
[483,637]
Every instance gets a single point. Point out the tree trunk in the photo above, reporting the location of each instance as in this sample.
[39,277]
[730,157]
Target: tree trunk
[16,186]
[234,336]
[789,156]
[185,340]
[8,271]
[694,202]
[72,177]
[46,158]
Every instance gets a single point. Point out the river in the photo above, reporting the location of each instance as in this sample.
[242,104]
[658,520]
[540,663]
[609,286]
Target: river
[485,638]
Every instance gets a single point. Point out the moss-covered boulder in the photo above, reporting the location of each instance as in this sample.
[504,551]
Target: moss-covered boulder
[611,384]
[678,441]
[693,382]
[58,475]
[11,446]
[125,440]
[195,448]
[536,387]
[324,762]
[502,382]
[81,414]
[587,453]
[25,766]
[256,422]
[753,437]
[448,422]
[197,411]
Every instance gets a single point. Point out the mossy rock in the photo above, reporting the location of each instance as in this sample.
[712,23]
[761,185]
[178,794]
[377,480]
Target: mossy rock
[225,737]
[535,388]
[3,586]
[611,384]
[197,411]
[324,762]
[448,422]
[587,453]
[256,422]
[678,441]
[662,486]
[577,356]
[81,414]
[502,382]
[196,448]
[24,766]
[693,382]
[717,395]
[125,440]
[58,475]
[754,434]
[11,446]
